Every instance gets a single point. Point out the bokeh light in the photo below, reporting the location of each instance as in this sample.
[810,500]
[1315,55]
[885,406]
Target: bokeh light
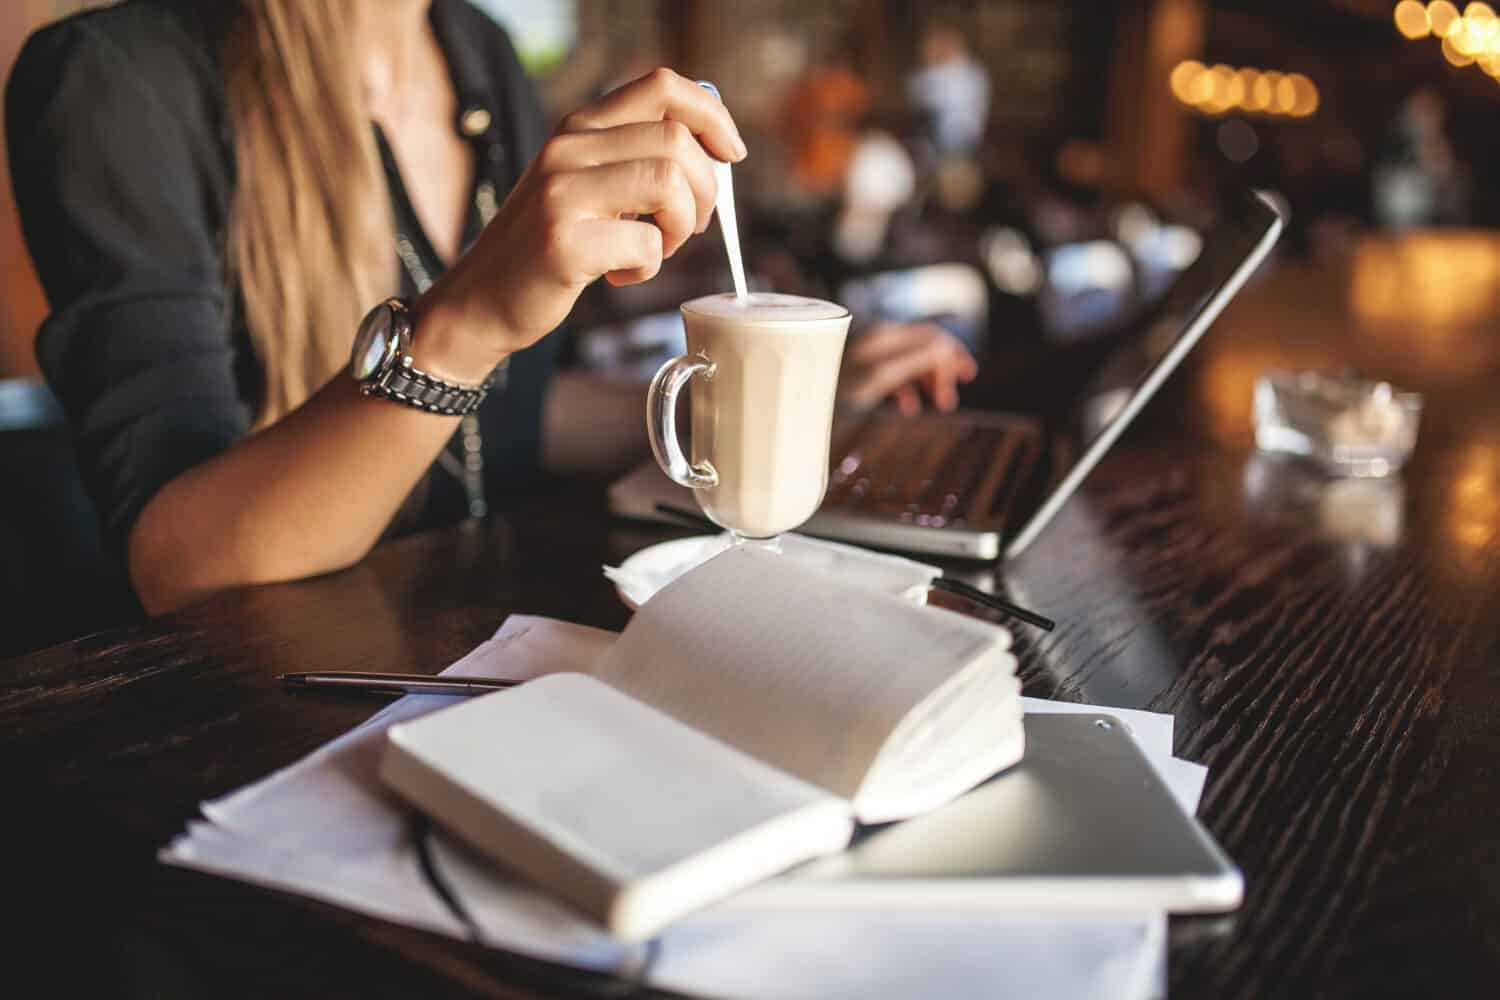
[1475,507]
[1468,38]
[1411,19]
[1237,140]
[1262,93]
[1234,96]
[1219,89]
[1286,95]
[1304,95]
[1182,79]
[1442,15]
[1247,78]
[1427,284]
[1202,89]
[1453,55]
[1221,100]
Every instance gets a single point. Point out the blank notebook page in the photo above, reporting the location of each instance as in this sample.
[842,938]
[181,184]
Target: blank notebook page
[795,667]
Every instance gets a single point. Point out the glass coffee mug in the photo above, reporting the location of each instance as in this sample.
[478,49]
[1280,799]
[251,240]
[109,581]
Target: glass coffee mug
[765,375]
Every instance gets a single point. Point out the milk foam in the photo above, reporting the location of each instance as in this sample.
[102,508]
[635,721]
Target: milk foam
[765,307]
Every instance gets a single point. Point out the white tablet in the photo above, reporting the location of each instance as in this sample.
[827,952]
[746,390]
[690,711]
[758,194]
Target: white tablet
[1083,823]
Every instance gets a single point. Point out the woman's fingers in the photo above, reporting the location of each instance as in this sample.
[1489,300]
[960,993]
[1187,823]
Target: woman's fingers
[942,378]
[893,360]
[878,381]
[639,141]
[884,341]
[642,150]
[908,401]
[624,251]
[663,94]
[658,188]
[941,383]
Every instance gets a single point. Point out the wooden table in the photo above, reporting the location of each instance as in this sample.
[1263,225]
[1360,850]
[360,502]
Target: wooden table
[1330,650]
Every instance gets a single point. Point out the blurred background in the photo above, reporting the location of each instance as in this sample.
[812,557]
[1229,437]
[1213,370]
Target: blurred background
[1055,158]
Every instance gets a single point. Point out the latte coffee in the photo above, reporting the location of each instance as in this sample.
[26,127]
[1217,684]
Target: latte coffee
[767,369]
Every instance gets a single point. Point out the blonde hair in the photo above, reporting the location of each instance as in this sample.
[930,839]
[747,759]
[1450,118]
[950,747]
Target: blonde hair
[310,240]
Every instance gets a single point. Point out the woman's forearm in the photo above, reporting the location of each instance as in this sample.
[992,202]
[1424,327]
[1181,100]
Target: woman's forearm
[310,494]
[313,492]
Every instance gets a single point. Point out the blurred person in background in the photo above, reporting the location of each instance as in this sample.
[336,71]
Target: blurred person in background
[878,182]
[820,122]
[1418,181]
[951,92]
[214,195]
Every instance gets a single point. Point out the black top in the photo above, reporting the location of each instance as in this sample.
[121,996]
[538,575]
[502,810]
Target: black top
[123,171]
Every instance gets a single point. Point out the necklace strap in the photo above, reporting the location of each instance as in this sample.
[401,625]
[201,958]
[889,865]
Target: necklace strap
[469,470]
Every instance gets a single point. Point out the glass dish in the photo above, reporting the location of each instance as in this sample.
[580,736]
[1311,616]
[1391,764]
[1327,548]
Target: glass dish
[1349,426]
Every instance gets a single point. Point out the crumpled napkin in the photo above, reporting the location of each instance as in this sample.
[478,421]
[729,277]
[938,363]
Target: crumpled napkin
[646,572]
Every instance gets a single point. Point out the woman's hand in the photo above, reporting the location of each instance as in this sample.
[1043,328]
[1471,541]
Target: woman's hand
[902,360]
[574,217]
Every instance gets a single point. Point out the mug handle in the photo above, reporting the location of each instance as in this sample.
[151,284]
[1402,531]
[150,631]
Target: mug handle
[661,421]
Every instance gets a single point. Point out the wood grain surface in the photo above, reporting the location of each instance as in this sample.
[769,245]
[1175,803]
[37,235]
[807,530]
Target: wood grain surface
[1330,649]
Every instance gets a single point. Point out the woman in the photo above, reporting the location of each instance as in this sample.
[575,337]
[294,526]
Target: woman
[212,215]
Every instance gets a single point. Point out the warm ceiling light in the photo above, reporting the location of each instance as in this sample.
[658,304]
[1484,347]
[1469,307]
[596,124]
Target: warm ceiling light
[1247,78]
[1464,38]
[1235,96]
[1453,55]
[1201,91]
[1183,75]
[1217,89]
[1441,14]
[1222,80]
[1482,33]
[1305,95]
[1411,19]
[1262,92]
[1286,95]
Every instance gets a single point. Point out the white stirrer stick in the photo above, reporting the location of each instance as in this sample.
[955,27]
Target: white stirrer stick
[724,209]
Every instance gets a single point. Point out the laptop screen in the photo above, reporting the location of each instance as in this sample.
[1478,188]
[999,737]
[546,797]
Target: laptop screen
[1231,252]
[1170,316]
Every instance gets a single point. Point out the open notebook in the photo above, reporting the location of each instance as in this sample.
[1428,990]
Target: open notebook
[751,713]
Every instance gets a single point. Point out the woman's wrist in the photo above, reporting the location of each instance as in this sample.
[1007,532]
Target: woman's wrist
[446,344]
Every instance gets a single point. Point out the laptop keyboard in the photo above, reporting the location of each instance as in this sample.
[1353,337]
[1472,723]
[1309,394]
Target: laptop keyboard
[956,470]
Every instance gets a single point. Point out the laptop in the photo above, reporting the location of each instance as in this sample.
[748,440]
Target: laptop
[965,484]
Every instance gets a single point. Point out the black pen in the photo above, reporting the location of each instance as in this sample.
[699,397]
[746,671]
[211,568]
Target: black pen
[989,600]
[361,680]
[949,584]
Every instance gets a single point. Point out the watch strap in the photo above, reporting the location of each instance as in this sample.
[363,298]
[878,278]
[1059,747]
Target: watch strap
[405,384]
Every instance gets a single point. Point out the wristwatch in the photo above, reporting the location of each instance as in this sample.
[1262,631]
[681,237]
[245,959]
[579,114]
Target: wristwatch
[381,364]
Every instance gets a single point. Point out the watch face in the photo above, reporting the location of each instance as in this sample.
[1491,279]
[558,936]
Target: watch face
[374,342]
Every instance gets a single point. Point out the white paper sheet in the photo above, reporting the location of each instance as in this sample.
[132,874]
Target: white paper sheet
[913,954]
[324,828]
[806,954]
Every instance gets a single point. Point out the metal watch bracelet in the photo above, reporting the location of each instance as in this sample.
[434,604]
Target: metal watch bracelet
[405,384]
